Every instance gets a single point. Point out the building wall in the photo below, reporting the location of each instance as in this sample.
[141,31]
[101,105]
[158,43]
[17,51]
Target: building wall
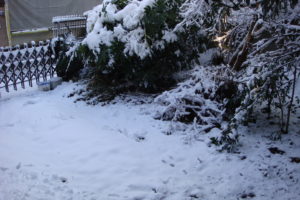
[25,18]
[33,14]
[3,31]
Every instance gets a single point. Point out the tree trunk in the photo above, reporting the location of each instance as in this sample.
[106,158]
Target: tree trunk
[291,102]
[240,56]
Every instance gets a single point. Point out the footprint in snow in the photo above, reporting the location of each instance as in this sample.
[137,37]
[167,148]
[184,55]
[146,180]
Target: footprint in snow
[113,195]
[140,136]
[137,136]
[63,117]
[18,166]
[3,169]
[30,102]
[170,164]
[63,179]
[7,125]
[140,187]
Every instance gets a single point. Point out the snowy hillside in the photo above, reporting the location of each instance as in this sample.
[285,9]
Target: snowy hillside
[52,148]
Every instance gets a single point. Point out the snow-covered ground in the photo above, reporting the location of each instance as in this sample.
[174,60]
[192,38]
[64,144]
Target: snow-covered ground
[54,149]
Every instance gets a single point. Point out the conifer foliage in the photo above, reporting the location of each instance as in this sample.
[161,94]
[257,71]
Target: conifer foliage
[132,46]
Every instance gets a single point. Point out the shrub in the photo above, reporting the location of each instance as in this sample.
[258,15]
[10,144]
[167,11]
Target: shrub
[132,46]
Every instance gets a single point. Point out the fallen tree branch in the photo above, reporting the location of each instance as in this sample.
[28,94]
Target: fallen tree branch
[240,56]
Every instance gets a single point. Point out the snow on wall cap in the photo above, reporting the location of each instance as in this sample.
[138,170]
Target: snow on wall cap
[66,18]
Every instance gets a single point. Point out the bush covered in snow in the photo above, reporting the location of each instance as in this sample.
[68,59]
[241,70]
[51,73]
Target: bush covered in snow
[132,45]
[265,61]
[69,64]
[260,42]
[193,100]
[208,99]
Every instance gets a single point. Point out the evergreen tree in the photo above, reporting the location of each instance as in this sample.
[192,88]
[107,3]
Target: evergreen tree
[142,54]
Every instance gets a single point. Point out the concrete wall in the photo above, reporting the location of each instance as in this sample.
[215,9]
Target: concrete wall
[26,37]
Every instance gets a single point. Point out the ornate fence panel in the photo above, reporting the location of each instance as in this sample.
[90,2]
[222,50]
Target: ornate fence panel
[29,63]
[75,24]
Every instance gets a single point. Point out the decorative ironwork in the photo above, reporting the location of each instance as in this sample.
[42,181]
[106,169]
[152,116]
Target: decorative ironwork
[26,63]
[75,24]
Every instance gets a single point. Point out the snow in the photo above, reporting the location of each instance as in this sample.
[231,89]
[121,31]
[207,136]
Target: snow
[66,18]
[53,148]
[126,28]
[44,29]
[169,36]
